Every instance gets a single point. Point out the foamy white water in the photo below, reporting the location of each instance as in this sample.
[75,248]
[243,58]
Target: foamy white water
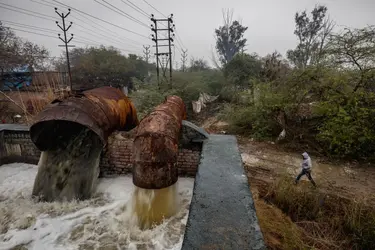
[103,222]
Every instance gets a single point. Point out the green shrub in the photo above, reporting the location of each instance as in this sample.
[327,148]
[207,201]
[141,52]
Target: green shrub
[348,129]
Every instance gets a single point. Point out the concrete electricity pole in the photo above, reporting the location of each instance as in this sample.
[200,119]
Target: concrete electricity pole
[66,41]
[156,39]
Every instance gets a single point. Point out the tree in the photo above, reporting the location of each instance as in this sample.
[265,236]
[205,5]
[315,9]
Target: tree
[198,65]
[312,33]
[242,70]
[103,66]
[229,38]
[274,67]
[15,52]
[355,48]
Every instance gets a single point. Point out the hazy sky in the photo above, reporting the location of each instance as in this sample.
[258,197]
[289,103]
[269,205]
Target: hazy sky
[270,22]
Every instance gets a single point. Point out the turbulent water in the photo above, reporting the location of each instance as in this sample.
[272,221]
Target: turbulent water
[106,221]
[152,206]
[71,170]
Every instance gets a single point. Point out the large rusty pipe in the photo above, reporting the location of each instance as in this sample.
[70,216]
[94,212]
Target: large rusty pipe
[156,145]
[102,110]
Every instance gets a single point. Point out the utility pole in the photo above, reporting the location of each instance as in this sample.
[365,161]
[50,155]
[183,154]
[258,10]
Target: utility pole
[66,41]
[146,51]
[184,59]
[156,39]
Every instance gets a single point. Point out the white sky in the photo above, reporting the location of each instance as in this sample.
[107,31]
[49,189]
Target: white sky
[270,22]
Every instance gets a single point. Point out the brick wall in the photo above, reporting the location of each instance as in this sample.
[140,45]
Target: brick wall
[16,146]
[116,158]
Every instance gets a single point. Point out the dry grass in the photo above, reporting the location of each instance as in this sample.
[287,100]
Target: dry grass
[278,229]
[326,221]
[44,89]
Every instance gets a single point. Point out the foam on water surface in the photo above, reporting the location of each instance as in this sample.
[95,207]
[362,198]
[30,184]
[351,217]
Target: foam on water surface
[103,222]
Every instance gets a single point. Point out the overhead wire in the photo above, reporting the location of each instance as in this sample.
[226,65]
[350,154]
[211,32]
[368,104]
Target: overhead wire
[92,23]
[136,8]
[122,13]
[45,4]
[115,25]
[93,33]
[27,13]
[154,8]
[43,16]
[19,8]
[27,26]
[81,40]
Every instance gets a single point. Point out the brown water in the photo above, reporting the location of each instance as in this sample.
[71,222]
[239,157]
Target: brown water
[152,206]
[71,170]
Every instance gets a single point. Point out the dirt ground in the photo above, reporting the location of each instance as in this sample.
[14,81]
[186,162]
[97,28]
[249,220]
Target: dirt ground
[266,161]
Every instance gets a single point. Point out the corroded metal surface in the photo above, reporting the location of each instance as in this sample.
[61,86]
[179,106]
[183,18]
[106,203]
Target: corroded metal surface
[155,146]
[102,110]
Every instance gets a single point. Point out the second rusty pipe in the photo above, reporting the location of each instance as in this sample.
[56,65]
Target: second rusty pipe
[155,146]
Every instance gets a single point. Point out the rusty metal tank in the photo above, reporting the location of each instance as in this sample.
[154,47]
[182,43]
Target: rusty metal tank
[103,110]
[155,146]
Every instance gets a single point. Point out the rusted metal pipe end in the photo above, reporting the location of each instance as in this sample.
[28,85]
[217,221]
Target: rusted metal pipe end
[155,146]
[102,110]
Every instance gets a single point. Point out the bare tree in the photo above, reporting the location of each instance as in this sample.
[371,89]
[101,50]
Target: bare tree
[355,48]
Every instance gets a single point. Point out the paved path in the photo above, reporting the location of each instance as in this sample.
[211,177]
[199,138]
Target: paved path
[222,213]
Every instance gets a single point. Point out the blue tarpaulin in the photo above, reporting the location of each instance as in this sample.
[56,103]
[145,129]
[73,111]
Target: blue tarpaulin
[17,78]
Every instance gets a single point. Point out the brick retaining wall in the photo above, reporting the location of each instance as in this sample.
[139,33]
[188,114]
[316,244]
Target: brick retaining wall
[16,146]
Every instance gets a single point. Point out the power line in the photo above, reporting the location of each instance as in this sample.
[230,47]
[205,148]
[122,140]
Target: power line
[136,8]
[76,41]
[83,39]
[92,23]
[26,26]
[92,33]
[154,8]
[31,32]
[102,28]
[122,13]
[45,4]
[26,13]
[115,25]
[34,12]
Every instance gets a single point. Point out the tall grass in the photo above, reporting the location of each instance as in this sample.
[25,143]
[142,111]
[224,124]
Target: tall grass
[328,221]
[30,101]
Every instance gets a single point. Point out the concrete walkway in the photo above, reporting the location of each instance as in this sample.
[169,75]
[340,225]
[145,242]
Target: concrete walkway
[222,213]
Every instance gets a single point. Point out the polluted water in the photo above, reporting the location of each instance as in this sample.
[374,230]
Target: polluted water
[152,206]
[105,221]
[69,170]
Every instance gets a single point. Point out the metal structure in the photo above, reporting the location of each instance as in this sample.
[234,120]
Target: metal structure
[155,146]
[156,38]
[102,110]
[146,52]
[184,59]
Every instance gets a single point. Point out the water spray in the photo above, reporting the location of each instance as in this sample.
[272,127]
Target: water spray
[71,134]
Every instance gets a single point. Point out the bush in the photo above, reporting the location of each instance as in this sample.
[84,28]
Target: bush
[348,128]
[187,85]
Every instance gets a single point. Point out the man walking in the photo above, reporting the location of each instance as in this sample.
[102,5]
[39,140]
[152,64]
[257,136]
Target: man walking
[306,169]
